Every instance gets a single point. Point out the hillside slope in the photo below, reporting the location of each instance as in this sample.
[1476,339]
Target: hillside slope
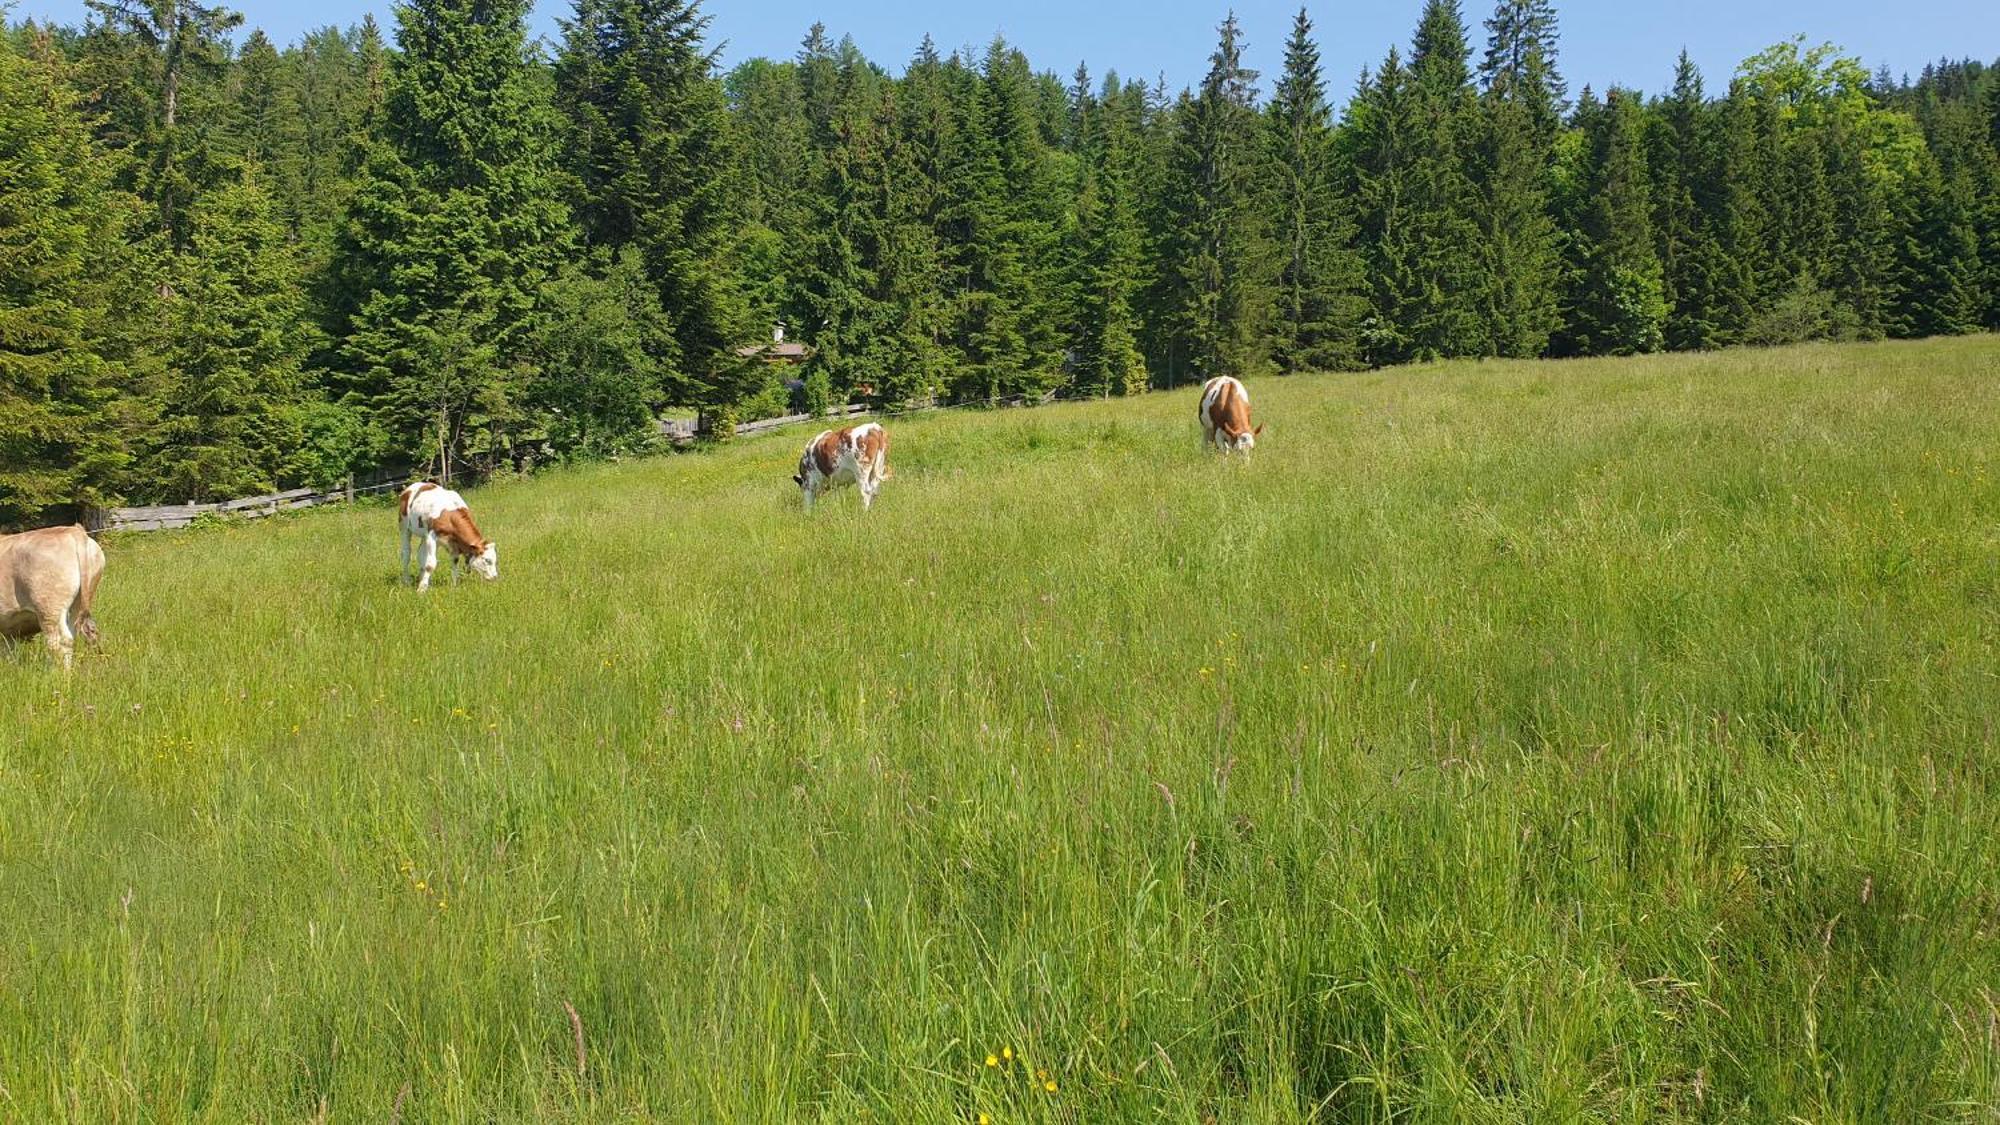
[1602,739]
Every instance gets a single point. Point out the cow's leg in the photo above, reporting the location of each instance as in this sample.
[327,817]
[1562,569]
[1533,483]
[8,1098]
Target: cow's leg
[430,560]
[405,578]
[56,634]
[807,493]
[1208,437]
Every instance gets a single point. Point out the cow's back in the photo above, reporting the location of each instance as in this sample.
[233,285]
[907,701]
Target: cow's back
[423,506]
[44,572]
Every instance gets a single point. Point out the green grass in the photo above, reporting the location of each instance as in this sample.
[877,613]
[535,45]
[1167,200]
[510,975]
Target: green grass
[1608,740]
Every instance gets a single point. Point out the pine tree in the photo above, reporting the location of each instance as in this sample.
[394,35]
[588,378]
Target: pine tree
[1688,210]
[1319,277]
[59,227]
[453,232]
[650,142]
[1519,115]
[235,338]
[1617,305]
[1380,135]
[1224,264]
[184,42]
[1441,314]
[1110,265]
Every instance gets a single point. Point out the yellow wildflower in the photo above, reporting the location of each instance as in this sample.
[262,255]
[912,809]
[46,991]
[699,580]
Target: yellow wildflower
[1007,1053]
[1050,1085]
[993,1060]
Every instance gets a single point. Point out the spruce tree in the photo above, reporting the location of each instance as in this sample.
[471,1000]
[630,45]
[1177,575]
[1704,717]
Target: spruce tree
[1937,275]
[1110,266]
[1617,305]
[1518,117]
[60,444]
[183,42]
[1440,316]
[1007,201]
[450,237]
[236,336]
[1319,282]
[1687,210]
[1224,264]
[649,140]
[1379,136]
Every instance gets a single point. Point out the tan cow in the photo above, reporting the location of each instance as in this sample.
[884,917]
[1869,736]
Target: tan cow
[1225,416]
[47,581]
[857,455]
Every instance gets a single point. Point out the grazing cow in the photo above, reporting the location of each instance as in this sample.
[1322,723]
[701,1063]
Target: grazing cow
[434,513]
[855,455]
[48,579]
[1225,416]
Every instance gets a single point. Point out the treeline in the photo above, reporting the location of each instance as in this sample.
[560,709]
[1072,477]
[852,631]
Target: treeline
[226,268]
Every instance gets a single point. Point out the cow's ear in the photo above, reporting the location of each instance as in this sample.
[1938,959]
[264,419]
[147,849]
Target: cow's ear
[1258,432]
[798,478]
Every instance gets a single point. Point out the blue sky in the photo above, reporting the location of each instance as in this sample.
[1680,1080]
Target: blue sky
[1603,41]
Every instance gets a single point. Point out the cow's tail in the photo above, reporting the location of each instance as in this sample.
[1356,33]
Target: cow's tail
[89,569]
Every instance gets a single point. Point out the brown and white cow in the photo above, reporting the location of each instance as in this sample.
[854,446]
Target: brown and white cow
[47,581]
[1225,416]
[854,455]
[432,513]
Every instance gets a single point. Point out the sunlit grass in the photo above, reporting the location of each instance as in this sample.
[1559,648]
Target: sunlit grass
[1523,742]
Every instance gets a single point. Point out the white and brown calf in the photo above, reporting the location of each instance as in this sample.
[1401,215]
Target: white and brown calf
[857,455]
[1225,416]
[47,580]
[432,514]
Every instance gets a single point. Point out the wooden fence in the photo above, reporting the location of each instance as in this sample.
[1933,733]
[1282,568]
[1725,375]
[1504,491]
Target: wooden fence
[161,517]
[680,431]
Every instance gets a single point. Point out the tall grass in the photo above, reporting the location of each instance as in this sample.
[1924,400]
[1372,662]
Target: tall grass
[1505,742]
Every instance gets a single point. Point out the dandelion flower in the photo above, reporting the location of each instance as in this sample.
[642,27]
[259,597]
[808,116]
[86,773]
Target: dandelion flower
[1050,1085]
[985,1119]
[993,1060]
[1007,1053]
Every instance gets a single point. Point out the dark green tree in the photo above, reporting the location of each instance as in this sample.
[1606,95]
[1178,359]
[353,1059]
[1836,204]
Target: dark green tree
[649,140]
[175,44]
[1224,265]
[1320,306]
[1617,305]
[1519,114]
[451,235]
[1441,313]
[59,230]
[236,335]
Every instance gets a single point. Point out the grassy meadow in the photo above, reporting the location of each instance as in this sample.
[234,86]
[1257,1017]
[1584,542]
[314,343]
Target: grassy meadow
[1599,740]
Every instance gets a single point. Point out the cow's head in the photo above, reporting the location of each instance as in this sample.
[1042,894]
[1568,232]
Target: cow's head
[1247,440]
[487,562]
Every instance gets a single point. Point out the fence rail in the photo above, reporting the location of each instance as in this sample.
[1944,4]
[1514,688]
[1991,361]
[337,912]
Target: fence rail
[163,517]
